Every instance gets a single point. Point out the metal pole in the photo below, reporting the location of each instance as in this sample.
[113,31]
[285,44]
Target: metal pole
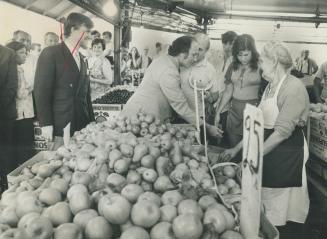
[117,33]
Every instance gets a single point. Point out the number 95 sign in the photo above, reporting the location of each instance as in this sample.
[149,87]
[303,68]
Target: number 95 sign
[251,171]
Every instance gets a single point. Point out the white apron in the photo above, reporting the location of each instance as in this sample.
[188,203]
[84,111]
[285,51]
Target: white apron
[284,204]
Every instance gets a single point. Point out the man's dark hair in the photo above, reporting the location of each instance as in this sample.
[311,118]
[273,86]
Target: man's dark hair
[76,20]
[158,44]
[109,34]
[245,42]
[15,45]
[228,37]
[51,34]
[180,45]
[99,41]
[95,32]
[17,32]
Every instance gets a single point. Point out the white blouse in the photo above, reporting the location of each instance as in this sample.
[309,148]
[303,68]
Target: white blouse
[24,99]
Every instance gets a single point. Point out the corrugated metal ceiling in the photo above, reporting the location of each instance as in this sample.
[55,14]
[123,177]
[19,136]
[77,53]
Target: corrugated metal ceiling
[155,13]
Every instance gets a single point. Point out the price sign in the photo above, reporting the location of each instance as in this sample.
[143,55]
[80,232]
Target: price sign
[251,172]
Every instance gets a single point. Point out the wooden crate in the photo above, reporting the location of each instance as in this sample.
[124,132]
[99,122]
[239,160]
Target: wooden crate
[318,137]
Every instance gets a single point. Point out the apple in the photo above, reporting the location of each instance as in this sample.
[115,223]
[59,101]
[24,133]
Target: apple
[83,217]
[81,188]
[98,228]
[39,228]
[79,202]
[81,178]
[60,213]
[28,205]
[68,231]
[9,216]
[60,184]
[115,208]
[148,161]
[50,196]
[150,175]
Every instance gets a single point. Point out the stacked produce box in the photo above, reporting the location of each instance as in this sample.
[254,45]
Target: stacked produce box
[317,134]
[111,103]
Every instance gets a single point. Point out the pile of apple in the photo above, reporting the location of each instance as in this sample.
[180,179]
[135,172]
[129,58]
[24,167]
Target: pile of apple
[107,184]
[319,109]
[145,125]
[226,180]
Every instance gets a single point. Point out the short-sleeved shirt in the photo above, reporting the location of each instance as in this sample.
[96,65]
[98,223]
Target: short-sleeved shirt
[221,65]
[202,71]
[246,82]
[322,74]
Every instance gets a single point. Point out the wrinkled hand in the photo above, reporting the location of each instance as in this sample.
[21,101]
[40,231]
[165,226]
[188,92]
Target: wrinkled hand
[214,131]
[47,132]
[228,154]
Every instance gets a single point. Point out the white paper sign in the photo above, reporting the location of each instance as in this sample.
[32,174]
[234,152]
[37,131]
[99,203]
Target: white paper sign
[251,172]
[67,134]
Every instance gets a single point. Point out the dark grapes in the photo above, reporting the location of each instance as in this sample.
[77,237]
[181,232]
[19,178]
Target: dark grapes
[118,96]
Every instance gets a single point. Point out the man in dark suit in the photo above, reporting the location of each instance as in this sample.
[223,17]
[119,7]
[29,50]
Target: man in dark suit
[62,86]
[8,91]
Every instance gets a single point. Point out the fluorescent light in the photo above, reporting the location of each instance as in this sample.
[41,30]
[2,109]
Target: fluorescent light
[253,13]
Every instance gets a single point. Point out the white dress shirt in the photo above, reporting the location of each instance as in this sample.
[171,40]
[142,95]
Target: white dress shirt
[24,99]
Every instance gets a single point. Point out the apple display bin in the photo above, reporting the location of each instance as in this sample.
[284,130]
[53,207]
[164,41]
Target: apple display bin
[268,230]
[13,176]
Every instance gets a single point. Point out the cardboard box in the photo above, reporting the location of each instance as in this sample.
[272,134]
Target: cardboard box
[41,145]
[103,112]
[44,155]
[318,138]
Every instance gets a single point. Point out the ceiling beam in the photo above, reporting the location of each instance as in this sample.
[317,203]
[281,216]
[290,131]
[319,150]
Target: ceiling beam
[68,9]
[53,5]
[273,18]
[30,4]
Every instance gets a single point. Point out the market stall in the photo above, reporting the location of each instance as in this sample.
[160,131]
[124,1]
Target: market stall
[141,183]
[138,177]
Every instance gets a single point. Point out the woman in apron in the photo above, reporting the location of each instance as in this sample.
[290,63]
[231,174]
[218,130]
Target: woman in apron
[242,86]
[285,107]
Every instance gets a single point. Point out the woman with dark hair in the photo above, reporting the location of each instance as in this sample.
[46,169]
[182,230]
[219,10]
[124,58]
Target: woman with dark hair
[243,80]
[23,127]
[160,92]
[101,76]
[136,59]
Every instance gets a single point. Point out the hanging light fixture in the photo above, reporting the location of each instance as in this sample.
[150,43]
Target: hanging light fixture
[110,8]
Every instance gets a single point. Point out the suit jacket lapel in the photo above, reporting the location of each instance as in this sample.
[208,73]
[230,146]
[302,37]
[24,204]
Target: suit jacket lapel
[69,61]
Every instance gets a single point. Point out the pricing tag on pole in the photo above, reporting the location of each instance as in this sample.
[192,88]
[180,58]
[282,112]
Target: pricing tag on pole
[251,172]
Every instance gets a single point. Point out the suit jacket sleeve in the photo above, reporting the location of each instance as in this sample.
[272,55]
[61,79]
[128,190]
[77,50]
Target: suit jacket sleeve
[43,87]
[11,83]
[171,88]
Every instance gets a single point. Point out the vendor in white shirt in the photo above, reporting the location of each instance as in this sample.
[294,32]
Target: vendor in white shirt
[203,73]
[101,76]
